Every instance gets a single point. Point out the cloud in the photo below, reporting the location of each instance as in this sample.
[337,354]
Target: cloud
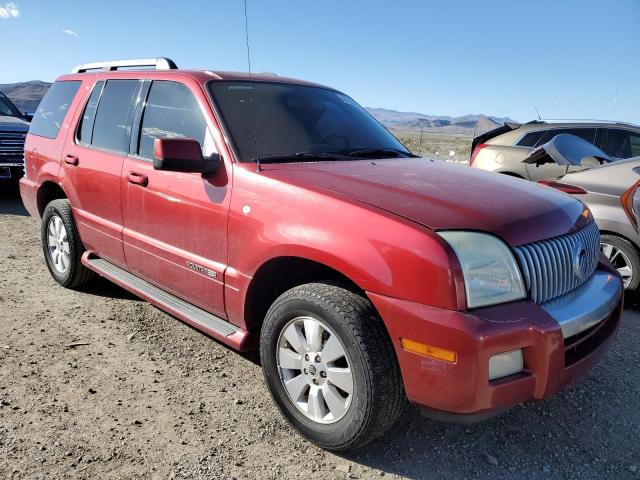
[71,33]
[9,10]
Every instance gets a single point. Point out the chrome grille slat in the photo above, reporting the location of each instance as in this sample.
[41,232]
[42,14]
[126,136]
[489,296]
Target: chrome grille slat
[548,266]
[11,144]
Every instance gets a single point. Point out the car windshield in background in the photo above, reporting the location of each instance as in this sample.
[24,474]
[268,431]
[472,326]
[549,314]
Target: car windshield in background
[6,108]
[289,122]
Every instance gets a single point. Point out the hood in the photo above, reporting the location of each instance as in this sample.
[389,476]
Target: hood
[13,124]
[444,196]
[566,149]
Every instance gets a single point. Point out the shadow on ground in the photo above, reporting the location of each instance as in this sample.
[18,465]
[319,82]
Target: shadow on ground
[10,201]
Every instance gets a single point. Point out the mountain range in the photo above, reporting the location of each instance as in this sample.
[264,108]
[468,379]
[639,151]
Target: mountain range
[27,96]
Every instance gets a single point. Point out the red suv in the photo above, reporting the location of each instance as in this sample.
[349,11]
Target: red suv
[277,214]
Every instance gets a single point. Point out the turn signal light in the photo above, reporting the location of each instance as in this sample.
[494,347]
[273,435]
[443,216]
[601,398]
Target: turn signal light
[428,350]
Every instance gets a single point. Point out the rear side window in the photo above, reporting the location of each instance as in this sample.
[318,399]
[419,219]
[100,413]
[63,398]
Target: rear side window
[112,124]
[86,122]
[53,108]
[530,139]
[172,111]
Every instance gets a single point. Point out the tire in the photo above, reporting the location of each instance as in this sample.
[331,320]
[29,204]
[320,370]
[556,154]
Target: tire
[377,394]
[624,252]
[69,273]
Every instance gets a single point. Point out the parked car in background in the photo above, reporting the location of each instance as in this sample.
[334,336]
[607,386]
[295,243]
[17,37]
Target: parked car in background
[502,150]
[277,214]
[607,188]
[13,129]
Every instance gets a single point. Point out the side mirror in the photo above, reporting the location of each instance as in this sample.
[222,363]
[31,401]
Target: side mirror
[28,116]
[182,155]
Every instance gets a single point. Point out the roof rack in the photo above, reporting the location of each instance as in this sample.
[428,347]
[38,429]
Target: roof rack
[160,63]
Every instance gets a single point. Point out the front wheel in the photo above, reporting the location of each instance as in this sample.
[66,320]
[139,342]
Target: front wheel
[625,258]
[330,366]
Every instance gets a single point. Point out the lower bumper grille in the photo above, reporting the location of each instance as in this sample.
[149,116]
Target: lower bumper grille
[585,343]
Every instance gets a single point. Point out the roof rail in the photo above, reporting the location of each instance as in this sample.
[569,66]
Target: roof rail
[160,63]
[587,120]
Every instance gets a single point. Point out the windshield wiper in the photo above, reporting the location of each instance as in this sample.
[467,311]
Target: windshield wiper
[380,153]
[300,156]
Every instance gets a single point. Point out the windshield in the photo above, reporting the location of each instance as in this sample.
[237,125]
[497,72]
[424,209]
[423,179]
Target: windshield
[6,108]
[295,122]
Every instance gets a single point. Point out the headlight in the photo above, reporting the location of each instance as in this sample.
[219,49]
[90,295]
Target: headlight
[491,274]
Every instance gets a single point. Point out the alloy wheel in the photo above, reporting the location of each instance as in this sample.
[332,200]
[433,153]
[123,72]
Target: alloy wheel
[620,262]
[315,370]
[58,245]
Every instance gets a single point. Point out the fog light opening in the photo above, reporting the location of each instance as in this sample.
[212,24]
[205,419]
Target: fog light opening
[505,364]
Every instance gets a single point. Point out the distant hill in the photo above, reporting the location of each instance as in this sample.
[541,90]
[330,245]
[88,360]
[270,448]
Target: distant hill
[411,121]
[26,95]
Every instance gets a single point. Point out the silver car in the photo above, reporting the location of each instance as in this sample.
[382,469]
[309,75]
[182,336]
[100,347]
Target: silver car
[607,188]
[503,149]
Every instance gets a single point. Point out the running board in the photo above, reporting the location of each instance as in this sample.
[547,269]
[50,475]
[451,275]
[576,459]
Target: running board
[194,316]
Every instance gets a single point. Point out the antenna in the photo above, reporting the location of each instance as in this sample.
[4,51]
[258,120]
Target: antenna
[251,100]
[537,113]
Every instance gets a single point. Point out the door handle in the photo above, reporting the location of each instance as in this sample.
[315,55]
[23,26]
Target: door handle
[138,179]
[71,160]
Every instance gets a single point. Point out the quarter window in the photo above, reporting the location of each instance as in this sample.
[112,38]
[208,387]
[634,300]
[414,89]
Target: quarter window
[112,125]
[530,139]
[86,122]
[53,108]
[172,111]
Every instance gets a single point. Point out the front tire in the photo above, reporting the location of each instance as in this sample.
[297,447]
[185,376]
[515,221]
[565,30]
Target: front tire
[330,366]
[62,246]
[625,258]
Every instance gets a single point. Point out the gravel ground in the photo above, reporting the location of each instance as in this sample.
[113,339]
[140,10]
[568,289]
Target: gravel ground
[144,396]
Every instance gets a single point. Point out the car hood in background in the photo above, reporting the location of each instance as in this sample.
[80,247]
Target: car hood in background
[13,124]
[443,196]
[566,149]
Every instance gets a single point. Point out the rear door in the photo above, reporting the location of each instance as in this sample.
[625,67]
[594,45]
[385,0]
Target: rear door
[175,224]
[93,161]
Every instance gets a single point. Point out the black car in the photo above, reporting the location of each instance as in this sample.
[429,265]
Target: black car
[13,129]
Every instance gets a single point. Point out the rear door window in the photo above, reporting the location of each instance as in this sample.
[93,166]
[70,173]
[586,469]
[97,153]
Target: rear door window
[114,116]
[53,108]
[621,143]
[171,111]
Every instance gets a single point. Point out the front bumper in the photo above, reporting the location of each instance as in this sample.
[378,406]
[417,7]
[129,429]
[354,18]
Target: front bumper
[560,340]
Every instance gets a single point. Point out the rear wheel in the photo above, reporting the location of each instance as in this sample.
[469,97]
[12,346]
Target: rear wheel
[330,366]
[625,258]
[62,246]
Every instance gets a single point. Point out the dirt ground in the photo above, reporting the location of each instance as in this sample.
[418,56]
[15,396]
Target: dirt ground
[145,396]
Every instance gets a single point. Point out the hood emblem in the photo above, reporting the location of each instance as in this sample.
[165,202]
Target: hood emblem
[580,261]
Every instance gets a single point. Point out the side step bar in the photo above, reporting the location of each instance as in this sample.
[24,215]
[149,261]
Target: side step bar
[194,316]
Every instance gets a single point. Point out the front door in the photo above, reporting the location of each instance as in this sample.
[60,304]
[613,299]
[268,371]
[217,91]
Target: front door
[175,224]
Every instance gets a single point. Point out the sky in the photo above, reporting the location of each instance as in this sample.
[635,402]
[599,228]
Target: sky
[577,59]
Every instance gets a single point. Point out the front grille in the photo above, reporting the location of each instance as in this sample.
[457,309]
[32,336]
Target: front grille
[556,266]
[11,145]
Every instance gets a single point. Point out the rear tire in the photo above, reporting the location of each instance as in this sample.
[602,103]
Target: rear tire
[372,399]
[625,258]
[62,246]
